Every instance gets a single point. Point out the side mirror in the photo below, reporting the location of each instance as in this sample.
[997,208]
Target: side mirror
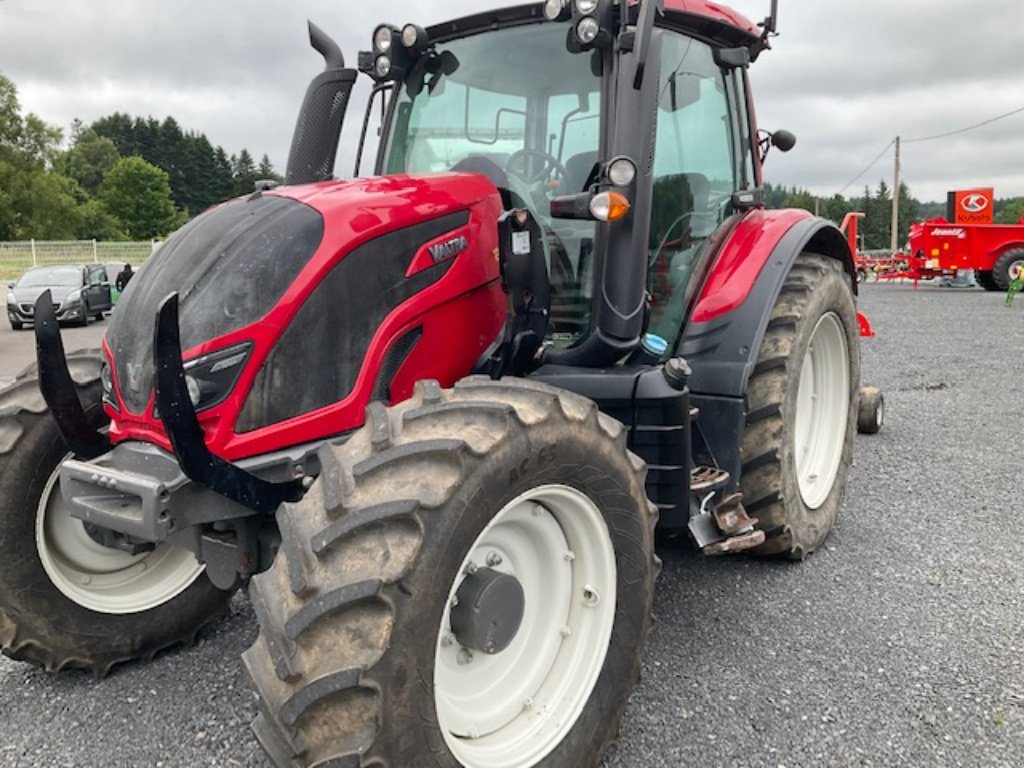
[784,140]
[10,285]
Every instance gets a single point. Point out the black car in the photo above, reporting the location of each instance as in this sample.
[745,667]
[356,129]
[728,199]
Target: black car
[79,292]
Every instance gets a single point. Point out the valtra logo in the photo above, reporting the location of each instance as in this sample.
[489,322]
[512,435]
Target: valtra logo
[974,203]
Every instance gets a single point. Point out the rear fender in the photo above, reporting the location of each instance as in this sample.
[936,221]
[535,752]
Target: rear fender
[722,339]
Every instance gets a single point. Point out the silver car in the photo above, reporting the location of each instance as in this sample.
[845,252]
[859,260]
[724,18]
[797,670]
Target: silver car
[79,292]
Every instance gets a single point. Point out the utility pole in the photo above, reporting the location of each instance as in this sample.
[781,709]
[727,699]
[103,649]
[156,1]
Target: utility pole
[895,232]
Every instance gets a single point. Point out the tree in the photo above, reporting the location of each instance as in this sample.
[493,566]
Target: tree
[1011,212]
[88,160]
[139,195]
[266,170]
[243,173]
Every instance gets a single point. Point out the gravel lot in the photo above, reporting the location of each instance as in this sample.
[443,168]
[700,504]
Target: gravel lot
[900,644]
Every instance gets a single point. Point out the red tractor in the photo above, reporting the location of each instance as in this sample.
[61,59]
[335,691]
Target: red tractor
[433,417]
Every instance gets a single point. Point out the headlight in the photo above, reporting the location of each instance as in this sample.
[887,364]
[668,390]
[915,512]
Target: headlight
[584,7]
[211,378]
[621,171]
[107,382]
[11,300]
[382,66]
[75,297]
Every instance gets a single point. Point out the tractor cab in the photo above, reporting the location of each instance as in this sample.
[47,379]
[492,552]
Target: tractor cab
[624,130]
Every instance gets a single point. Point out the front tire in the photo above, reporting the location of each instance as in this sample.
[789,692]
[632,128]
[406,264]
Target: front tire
[802,409]
[65,601]
[361,660]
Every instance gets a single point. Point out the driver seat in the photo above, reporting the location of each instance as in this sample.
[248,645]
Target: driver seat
[577,170]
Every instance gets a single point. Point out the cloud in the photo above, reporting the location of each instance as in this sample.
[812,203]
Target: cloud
[845,77]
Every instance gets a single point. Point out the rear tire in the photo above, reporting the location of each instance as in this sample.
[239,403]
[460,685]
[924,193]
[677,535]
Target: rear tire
[985,280]
[802,409]
[357,663]
[1008,267]
[50,570]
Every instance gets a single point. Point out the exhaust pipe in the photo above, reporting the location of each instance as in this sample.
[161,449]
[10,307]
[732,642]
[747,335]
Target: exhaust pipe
[318,128]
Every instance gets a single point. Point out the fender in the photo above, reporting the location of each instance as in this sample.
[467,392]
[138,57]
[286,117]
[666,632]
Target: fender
[723,336]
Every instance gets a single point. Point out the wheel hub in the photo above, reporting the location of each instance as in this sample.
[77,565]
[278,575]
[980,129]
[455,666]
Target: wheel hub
[489,610]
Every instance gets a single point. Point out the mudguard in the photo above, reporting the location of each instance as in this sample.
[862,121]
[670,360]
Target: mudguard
[724,333]
[723,336]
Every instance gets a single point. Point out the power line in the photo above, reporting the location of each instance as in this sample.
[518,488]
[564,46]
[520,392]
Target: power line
[958,131]
[871,165]
[968,128]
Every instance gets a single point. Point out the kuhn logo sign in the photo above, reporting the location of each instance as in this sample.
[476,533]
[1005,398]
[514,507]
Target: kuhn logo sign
[974,203]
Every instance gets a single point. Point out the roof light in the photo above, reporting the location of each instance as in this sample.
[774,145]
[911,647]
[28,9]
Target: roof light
[414,38]
[609,206]
[621,171]
[555,10]
[382,38]
[587,30]
[382,67]
[585,7]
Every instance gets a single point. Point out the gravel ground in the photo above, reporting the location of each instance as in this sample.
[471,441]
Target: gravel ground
[899,644]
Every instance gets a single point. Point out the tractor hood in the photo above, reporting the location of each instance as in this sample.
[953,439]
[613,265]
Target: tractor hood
[280,295]
[229,266]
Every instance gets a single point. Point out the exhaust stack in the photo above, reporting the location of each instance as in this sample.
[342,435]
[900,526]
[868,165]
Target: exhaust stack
[318,128]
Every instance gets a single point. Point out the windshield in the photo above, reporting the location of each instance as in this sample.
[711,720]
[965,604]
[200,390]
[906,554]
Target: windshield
[516,105]
[40,278]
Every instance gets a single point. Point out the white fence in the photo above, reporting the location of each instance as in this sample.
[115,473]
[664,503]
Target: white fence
[16,257]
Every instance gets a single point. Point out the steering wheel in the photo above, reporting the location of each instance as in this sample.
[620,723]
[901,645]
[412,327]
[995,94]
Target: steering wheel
[549,165]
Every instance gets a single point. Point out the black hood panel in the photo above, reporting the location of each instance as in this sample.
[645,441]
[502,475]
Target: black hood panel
[230,266]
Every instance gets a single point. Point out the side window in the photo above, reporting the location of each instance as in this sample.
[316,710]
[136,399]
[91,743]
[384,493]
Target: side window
[694,174]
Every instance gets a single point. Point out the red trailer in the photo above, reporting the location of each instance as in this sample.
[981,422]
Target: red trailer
[994,251]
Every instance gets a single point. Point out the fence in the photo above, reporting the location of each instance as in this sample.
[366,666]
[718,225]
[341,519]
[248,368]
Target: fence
[16,257]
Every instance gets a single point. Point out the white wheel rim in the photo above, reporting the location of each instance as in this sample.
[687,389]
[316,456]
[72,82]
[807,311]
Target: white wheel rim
[1016,268]
[822,408]
[102,579]
[511,709]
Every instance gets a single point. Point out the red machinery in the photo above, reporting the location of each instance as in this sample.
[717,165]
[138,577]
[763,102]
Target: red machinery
[943,247]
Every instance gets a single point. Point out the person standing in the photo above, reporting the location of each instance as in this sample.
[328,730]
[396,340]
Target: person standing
[123,277]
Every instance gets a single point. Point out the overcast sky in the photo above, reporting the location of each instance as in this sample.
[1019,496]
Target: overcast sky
[846,76]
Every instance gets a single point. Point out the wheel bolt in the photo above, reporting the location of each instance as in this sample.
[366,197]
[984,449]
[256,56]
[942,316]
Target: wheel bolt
[528,703]
[590,596]
[470,567]
[569,556]
[493,559]
[565,632]
[447,639]
[465,656]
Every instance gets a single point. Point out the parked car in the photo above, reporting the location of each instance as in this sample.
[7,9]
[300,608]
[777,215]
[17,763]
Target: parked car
[79,292]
